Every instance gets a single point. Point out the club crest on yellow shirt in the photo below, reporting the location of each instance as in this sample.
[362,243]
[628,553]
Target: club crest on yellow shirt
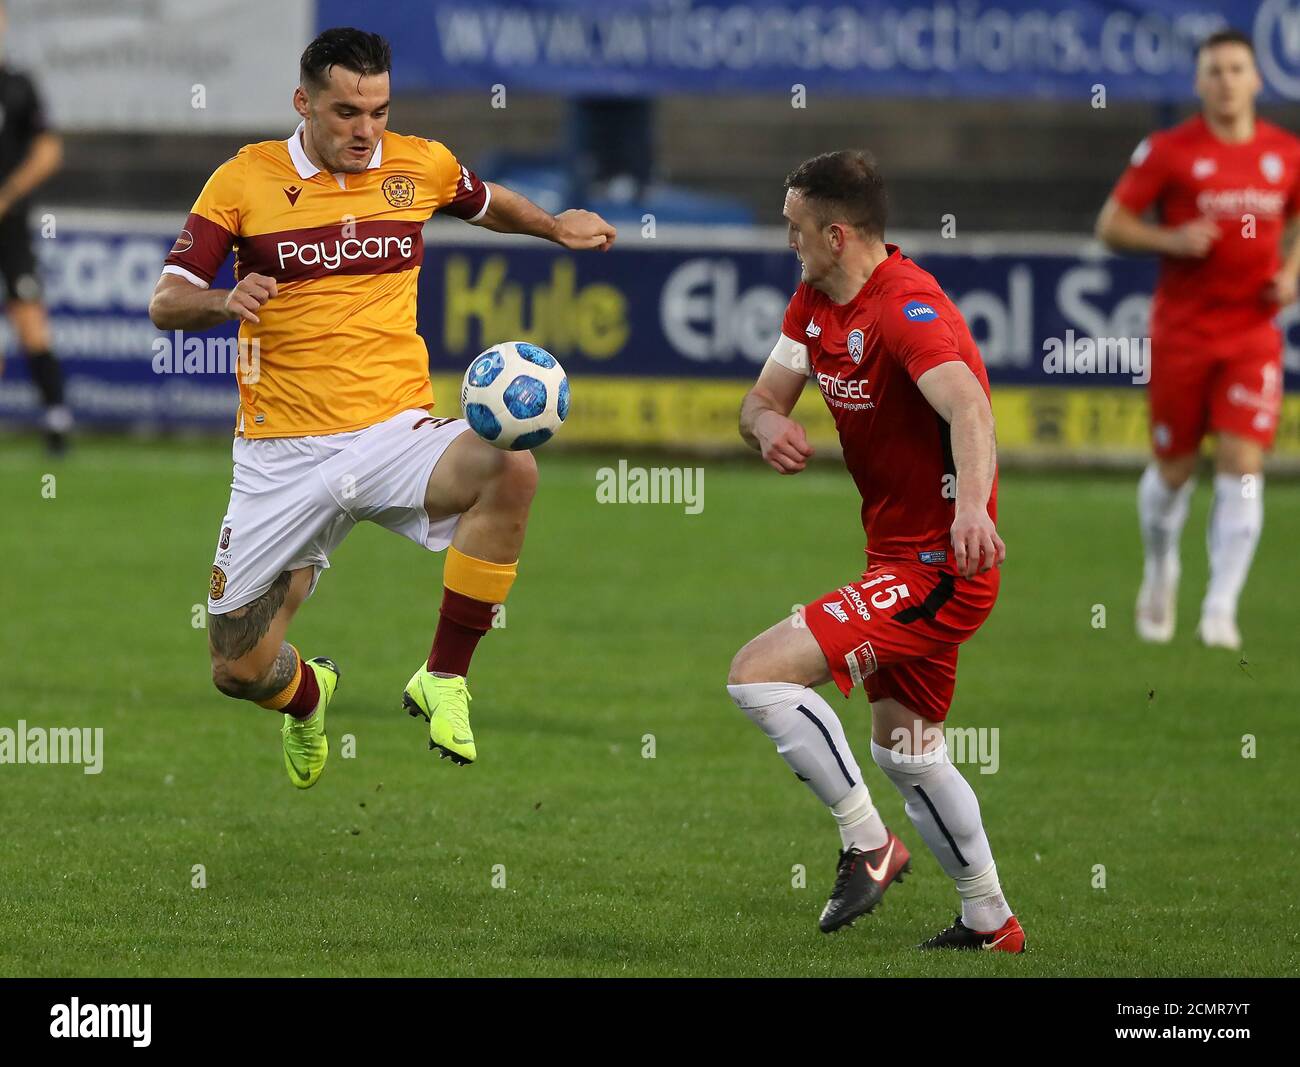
[399,190]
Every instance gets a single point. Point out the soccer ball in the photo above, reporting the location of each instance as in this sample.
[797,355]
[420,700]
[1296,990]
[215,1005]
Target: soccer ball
[515,395]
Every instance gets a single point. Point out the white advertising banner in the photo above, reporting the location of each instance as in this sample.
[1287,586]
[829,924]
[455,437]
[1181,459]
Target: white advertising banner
[194,65]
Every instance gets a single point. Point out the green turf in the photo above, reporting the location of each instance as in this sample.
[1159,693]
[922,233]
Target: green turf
[622,625]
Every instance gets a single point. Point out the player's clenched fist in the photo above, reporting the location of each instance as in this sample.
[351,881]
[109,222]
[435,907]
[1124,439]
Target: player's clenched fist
[782,442]
[243,301]
[1195,238]
[976,546]
[576,228]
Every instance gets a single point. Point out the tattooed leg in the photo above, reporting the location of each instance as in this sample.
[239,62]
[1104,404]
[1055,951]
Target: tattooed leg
[250,659]
[227,678]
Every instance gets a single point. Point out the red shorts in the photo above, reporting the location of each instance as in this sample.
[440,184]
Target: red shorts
[1201,386]
[896,632]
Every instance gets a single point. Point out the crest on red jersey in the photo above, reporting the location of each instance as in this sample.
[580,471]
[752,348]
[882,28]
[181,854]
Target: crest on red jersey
[1270,165]
[855,346]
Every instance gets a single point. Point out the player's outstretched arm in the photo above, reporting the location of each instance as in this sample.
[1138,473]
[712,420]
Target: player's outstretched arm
[956,394]
[765,421]
[509,212]
[1122,231]
[178,304]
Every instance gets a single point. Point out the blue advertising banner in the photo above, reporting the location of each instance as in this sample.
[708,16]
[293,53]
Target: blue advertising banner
[694,305]
[98,275]
[666,309]
[1140,49]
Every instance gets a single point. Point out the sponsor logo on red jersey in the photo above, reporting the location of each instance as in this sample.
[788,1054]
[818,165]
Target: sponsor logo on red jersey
[856,602]
[840,389]
[835,609]
[1240,201]
[861,662]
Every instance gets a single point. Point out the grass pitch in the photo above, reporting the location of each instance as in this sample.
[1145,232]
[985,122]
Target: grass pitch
[1112,754]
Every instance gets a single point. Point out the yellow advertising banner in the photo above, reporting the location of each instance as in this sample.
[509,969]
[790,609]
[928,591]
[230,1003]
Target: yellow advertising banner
[1033,421]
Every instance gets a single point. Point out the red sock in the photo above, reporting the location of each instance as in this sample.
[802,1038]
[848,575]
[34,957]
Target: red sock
[307,696]
[462,620]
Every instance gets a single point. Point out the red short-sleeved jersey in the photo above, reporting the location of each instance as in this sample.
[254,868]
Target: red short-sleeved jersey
[866,356]
[1250,189]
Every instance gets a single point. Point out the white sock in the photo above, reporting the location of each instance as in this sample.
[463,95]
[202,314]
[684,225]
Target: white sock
[810,739]
[860,824]
[983,907]
[1236,520]
[945,812]
[1161,514]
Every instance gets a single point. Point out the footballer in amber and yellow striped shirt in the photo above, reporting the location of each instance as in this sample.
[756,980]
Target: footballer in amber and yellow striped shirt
[335,426]
[338,348]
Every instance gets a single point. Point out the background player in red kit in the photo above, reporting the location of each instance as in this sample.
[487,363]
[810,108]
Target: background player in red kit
[1224,185]
[904,381]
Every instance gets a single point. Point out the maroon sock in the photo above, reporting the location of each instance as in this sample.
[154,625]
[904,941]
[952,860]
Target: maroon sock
[462,620]
[304,700]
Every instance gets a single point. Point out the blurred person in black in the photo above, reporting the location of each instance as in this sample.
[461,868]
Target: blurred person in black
[29,153]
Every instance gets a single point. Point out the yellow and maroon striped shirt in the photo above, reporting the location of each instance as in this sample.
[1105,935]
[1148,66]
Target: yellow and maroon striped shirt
[337,348]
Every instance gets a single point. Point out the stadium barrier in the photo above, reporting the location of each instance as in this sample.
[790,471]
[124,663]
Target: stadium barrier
[660,337]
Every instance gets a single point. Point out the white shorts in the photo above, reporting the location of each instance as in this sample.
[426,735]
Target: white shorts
[294,499]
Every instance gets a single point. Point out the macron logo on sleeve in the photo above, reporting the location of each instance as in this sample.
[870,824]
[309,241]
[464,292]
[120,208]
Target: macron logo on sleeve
[915,311]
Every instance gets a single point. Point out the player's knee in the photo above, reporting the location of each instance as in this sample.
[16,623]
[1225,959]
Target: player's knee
[235,678]
[475,475]
[901,764]
[1175,471]
[516,482]
[747,667]
[1239,456]
[31,324]
[509,484]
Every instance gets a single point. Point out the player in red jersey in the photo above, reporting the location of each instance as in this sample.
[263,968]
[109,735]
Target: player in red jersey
[904,381]
[1225,185]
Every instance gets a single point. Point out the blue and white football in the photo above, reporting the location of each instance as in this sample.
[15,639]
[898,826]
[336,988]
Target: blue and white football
[515,395]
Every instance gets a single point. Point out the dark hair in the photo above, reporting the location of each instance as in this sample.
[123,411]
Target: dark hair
[1225,37]
[843,186]
[354,50]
